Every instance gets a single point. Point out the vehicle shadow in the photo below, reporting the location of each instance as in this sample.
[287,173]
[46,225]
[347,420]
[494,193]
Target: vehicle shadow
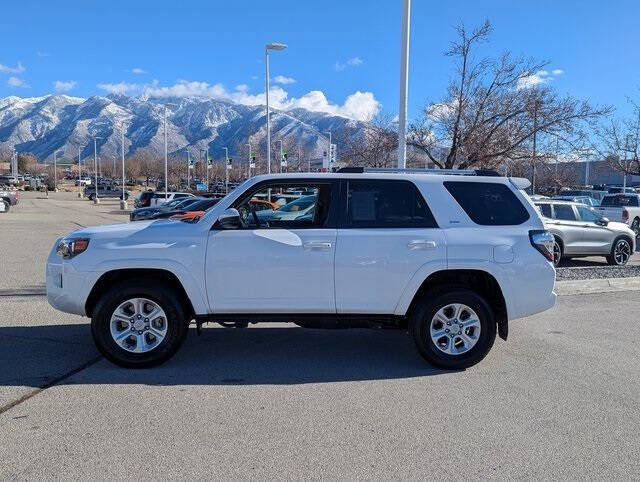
[257,355]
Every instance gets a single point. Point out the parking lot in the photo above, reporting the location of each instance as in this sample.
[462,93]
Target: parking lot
[558,400]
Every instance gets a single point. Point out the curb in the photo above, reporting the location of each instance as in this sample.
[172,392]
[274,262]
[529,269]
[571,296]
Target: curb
[605,285]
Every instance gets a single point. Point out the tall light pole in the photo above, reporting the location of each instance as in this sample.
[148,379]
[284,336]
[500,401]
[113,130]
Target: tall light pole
[55,170]
[166,177]
[271,46]
[328,166]
[250,159]
[281,159]
[80,195]
[95,160]
[123,201]
[226,170]
[207,167]
[404,84]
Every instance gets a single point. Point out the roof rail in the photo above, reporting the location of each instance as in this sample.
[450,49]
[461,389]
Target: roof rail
[454,172]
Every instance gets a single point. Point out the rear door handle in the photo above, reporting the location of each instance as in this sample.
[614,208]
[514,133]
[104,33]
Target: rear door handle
[421,244]
[317,245]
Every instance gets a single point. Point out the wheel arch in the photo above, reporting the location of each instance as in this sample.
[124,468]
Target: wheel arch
[483,282]
[144,274]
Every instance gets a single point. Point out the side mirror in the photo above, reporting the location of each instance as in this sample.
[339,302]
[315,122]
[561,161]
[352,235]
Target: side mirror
[229,219]
[603,221]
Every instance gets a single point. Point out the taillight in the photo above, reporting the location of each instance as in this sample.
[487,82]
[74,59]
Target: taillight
[543,241]
[625,215]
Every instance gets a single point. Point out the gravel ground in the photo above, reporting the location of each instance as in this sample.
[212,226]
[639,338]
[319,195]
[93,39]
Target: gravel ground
[597,272]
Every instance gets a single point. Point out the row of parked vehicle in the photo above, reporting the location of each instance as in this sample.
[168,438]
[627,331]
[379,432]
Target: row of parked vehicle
[592,223]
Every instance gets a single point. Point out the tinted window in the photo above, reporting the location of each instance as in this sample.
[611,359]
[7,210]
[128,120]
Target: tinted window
[488,203]
[545,209]
[564,212]
[387,204]
[616,201]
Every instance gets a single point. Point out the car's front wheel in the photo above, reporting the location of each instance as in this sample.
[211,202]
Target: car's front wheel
[140,323]
[453,328]
[620,252]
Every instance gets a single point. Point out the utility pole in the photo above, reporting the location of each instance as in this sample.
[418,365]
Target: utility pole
[535,133]
[95,160]
[250,161]
[271,46]
[404,84]
[207,167]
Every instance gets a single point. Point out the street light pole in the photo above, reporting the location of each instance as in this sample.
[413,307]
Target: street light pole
[404,84]
[328,166]
[166,177]
[95,160]
[226,170]
[280,152]
[55,170]
[250,160]
[123,201]
[271,46]
[80,195]
[207,167]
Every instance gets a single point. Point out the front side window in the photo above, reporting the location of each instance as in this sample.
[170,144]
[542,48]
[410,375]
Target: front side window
[387,204]
[588,215]
[564,212]
[286,206]
[488,203]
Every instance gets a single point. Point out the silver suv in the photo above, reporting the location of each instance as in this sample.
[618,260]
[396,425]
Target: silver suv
[579,230]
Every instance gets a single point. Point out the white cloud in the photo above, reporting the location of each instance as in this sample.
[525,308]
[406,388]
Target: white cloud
[281,79]
[359,105]
[352,62]
[64,86]
[138,71]
[12,70]
[16,82]
[539,77]
[121,88]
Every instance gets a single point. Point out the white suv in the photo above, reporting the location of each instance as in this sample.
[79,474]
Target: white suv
[450,256]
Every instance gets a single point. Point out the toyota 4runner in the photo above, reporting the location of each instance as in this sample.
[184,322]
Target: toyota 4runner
[451,257]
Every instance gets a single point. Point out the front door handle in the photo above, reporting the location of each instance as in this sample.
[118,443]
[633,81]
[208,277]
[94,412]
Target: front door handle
[421,244]
[317,245]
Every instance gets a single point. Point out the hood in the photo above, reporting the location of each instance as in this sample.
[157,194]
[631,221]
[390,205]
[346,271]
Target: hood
[616,226]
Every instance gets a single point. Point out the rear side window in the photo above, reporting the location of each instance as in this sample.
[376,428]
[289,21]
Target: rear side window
[387,204]
[488,203]
[545,209]
[564,212]
[616,201]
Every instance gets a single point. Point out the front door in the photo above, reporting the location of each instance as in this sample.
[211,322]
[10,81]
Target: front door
[281,260]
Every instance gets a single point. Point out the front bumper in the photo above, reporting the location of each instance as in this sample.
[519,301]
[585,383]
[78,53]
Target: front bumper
[67,289]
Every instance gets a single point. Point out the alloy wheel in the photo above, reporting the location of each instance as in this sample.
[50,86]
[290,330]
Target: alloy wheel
[138,325]
[622,252]
[455,329]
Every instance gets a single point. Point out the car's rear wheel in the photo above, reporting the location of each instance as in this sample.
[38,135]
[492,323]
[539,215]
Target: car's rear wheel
[140,323]
[635,226]
[620,252]
[557,252]
[453,328]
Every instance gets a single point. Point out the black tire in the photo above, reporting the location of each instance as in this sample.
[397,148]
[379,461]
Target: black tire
[614,259]
[635,227]
[557,252]
[158,292]
[7,206]
[91,197]
[420,325]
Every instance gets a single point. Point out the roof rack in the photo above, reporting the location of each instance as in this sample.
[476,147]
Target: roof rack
[451,172]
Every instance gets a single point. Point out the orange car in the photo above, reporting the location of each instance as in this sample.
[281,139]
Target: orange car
[188,216]
[258,204]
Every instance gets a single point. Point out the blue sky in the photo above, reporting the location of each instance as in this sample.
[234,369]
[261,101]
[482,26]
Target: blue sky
[336,48]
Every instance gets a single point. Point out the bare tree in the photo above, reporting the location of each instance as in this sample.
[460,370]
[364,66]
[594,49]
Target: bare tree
[620,142]
[494,109]
[376,147]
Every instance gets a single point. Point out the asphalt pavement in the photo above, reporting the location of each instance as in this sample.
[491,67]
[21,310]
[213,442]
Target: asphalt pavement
[559,400]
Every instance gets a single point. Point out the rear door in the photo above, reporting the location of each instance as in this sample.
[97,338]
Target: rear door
[386,233]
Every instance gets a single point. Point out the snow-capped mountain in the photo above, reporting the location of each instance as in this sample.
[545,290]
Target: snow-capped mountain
[43,125]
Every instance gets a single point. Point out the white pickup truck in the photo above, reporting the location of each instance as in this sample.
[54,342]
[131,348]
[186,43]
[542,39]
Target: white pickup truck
[623,208]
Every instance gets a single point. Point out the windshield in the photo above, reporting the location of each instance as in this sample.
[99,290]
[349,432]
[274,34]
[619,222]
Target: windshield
[299,204]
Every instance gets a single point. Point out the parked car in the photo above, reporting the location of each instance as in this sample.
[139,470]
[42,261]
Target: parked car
[142,214]
[11,198]
[105,191]
[198,205]
[579,230]
[450,258]
[194,211]
[156,198]
[9,180]
[84,181]
[588,200]
[621,190]
[596,194]
[624,208]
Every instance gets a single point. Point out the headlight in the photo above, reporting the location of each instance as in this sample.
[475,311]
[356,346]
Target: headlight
[68,248]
